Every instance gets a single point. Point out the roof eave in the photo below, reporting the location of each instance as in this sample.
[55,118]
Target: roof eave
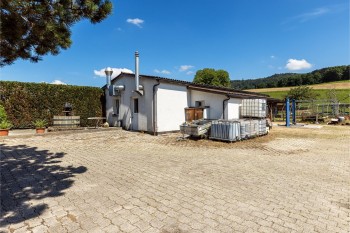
[203,87]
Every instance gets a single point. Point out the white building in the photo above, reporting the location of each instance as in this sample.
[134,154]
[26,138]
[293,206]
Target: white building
[157,105]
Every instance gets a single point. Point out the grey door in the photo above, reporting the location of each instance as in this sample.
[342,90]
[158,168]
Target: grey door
[135,114]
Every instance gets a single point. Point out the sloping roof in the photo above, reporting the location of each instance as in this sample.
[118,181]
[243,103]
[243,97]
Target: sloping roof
[202,87]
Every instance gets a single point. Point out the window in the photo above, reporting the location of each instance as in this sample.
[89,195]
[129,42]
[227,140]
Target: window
[117,105]
[199,104]
[136,105]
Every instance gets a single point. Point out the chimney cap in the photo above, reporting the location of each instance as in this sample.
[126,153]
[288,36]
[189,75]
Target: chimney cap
[137,53]
[108,71]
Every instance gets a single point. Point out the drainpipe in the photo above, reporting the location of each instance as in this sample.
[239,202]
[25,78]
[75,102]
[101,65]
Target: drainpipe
[155,128]
[223,106]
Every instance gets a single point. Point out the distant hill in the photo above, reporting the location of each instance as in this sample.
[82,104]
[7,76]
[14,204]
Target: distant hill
[329,74]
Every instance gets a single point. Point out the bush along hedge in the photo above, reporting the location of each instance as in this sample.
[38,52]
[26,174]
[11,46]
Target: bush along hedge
[27,102]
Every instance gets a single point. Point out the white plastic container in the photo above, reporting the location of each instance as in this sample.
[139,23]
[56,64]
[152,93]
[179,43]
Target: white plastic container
[253,108]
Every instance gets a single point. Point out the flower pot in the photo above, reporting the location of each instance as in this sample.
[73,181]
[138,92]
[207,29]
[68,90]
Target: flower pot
[4,132]
[40,130]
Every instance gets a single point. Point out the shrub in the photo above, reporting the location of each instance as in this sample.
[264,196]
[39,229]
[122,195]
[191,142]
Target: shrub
[39,124]
[302,93]
[3,115]
[5,124]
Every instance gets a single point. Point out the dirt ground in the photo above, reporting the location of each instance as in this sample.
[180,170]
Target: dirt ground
[286,138]
[291,180]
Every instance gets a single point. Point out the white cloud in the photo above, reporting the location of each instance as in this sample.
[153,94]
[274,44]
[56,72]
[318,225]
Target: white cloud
[190,72]
[272,56]
[116,72]
[317,13]
[312,14]
[185,68]
[138,22]
[58,82]
[294,64]
[162,71]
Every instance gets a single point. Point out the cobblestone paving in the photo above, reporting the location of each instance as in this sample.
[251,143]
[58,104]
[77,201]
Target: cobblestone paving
[293,180]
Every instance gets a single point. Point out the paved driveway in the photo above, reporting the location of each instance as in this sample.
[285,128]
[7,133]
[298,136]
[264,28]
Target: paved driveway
[293,180]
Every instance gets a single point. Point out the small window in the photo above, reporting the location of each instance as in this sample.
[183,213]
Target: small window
[136,105]
[117,106]
[199,104]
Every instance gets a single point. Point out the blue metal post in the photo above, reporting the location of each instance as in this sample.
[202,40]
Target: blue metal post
[287,113]
[293,111]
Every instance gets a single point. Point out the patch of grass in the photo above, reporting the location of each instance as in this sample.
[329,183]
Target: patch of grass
[276,94]
[342,81]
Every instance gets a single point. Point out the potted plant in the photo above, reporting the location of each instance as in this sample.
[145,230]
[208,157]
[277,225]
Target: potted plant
[5,126]
[40,126]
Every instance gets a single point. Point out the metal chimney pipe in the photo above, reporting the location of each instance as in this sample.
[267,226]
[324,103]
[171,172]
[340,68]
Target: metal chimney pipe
[108,72]
[137,70]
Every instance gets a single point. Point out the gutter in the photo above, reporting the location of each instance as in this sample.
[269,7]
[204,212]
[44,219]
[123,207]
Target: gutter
[232,93]
[223,106]
[155,128]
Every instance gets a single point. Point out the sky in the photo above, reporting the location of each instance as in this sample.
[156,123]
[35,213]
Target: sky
[175,38]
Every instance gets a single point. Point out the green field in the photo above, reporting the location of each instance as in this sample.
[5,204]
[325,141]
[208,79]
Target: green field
[342,94]
[321,105]
[341,88]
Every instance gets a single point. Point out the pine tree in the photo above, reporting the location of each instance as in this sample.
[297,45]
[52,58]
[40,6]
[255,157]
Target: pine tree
[33,28]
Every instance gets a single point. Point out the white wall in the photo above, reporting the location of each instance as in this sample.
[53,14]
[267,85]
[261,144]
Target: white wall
[145,120]
[124,110]
[109,108]
[232,109]
[171,104]
[214,101]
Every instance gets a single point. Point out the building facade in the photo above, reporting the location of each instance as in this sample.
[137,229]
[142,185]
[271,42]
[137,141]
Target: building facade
[157,105]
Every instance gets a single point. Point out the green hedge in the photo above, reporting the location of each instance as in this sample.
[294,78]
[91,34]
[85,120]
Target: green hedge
[27,102]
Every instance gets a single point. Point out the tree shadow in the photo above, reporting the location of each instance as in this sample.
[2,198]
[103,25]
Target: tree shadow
[29,174]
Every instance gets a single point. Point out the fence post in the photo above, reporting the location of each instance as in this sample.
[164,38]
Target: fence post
[287,113]
[294,111]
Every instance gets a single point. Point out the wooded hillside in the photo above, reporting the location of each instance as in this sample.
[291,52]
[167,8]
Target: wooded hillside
[329,74]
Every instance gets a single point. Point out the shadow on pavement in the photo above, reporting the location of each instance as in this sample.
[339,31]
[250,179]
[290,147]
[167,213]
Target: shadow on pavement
[30,175]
